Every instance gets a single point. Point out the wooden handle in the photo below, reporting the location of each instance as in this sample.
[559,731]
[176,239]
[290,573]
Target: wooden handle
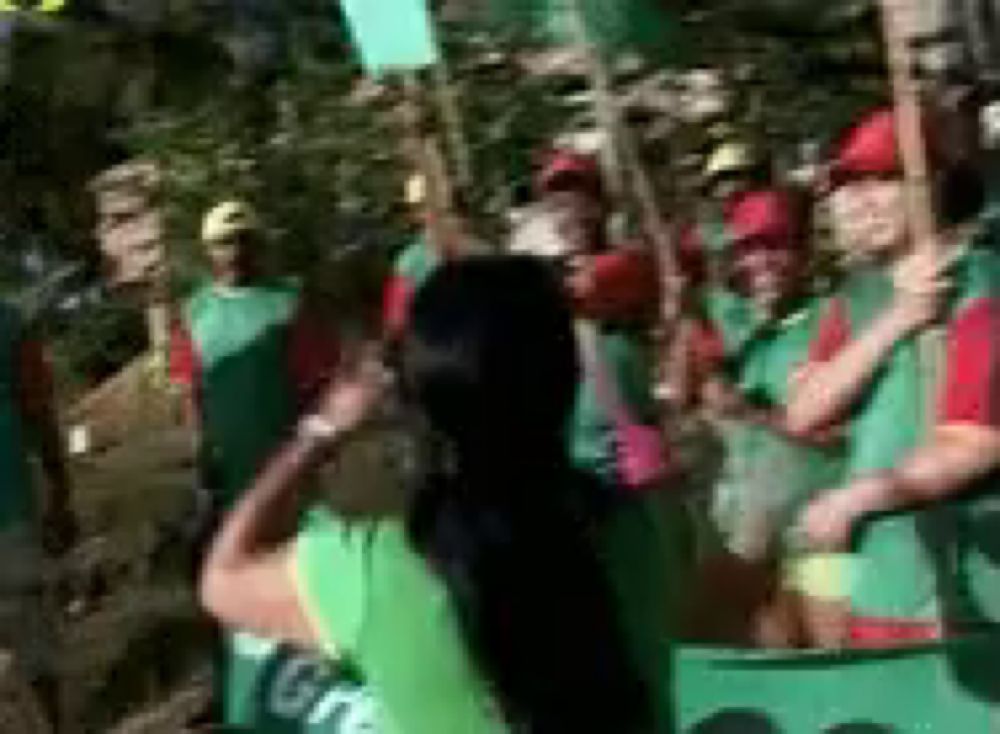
[909,125]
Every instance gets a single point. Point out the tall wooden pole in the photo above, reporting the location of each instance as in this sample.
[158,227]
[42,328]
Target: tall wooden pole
[909,123]
[897,22]
[623,163]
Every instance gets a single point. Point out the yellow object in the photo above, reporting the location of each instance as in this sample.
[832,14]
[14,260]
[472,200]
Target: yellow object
[820,575]
[416,190]
[227,219]
[729,158]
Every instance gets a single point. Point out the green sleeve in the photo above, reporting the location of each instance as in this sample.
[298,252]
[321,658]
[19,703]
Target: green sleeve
[330,565]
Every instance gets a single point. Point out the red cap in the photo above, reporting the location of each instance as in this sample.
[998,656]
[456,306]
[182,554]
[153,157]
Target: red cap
[768,214]
[691,257]
[561,169]
[869,148]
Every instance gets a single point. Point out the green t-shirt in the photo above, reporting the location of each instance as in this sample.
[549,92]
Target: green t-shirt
[937,562]
[375,601]
[274,688]
[767,478]
[593,431]
[17,505]
[417,262]
[241,338]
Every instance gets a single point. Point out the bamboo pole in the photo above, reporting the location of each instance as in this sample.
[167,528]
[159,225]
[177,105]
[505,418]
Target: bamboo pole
[910,132]
[454,123]
[624,163]
[429,159]
[916,169]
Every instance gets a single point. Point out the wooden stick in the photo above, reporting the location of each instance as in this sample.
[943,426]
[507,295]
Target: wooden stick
[454,123]
[624,157]
[910,132]
[605,106]
[919,201]
[429,159]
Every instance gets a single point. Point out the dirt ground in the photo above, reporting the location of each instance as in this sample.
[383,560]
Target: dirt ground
[134,643]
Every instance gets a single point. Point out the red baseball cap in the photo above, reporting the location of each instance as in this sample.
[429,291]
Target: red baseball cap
[765,214]
[561,169]
[870,148]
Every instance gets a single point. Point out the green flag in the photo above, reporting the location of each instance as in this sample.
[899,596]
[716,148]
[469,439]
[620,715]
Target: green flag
[392,35]
[644,26]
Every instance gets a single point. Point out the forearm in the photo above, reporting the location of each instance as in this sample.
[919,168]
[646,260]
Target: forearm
[825,391]
[267,514]
[945,468]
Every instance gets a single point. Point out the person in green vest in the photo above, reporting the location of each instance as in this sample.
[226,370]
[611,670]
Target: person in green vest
[769,473]
[251,357]
[731,170]
[413,265]
[249,353]
[32,522]
[918,510]
[614,291]
[512,593]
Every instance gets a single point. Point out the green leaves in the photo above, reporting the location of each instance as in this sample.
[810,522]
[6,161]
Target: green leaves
[643,26]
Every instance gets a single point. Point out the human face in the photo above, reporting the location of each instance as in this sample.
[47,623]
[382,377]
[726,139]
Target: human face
[579,219]
[869,216]
[768,271]
[231,258]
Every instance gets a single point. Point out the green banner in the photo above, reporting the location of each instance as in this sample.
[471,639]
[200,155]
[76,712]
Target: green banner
[950,688]
[643,26]
[392,35]
[947,688]
[274,689]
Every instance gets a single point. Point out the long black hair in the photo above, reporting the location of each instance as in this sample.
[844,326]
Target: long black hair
[508,525]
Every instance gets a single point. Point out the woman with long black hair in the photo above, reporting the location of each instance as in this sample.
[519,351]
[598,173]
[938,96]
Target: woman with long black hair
[513,593]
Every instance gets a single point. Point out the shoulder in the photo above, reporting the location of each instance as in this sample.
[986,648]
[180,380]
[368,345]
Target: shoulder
[416,260]
[201,298]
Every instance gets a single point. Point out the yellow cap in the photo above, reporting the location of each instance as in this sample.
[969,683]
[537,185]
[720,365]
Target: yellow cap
[226,219]
[729,158]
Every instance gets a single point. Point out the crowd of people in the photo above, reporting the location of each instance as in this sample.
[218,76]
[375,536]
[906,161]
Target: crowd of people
[550,546]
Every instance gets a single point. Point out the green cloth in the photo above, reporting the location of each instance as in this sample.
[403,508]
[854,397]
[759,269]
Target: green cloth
[375,601]
[241,337]
[767,478]
[17,501]
[392,35]
[731,315]
[275,689]
[939,562]
[417,262]
[938,689]
[593,431]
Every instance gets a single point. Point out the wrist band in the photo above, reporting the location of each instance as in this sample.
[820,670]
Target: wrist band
[318,428]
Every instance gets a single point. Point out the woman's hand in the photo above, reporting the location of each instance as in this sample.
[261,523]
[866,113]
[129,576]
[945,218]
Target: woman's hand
[921,284]
[353,395]
[828,522]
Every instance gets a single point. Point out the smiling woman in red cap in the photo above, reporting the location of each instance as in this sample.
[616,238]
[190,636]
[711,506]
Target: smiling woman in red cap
[769,473]
[924,439]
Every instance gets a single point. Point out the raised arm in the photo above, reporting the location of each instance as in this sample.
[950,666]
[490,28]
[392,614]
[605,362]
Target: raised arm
[843,365]
[964,446]
[247,581]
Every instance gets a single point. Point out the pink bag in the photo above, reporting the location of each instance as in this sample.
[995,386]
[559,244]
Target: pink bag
[642,454]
